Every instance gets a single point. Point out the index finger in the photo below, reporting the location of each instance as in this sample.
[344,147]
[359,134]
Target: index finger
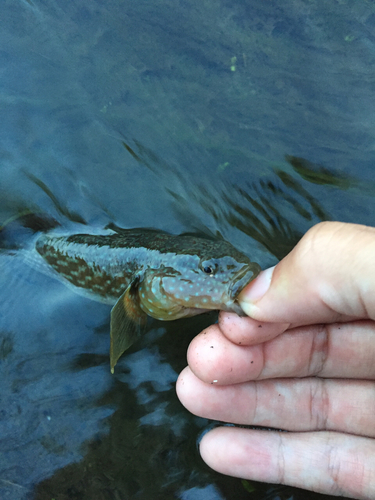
[335,351]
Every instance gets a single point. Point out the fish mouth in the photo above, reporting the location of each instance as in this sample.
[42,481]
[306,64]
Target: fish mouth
[243,278]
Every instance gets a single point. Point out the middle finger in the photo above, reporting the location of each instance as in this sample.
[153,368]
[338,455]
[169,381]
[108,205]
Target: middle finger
[291,404]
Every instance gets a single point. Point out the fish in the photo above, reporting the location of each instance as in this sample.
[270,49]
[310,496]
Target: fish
[145,272]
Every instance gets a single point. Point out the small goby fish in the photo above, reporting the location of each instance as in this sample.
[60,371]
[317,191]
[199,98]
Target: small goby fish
[146,272]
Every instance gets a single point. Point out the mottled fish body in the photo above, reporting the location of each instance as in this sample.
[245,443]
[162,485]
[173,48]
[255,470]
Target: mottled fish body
[99,271]
[145,272]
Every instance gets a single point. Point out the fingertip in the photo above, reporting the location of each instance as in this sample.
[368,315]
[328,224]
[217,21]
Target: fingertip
[191,392]
[182,376]
[235,328]
[248,331]
[254,291]
[215,360]
[204,351]
[208,445]
[183,385]
[239,452]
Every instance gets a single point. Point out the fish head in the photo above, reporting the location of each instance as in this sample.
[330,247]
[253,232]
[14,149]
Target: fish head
[195,283]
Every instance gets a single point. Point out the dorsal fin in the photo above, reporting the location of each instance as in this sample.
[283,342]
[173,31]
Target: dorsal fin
[120,230]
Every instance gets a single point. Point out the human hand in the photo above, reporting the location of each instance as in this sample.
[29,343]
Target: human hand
[304,362]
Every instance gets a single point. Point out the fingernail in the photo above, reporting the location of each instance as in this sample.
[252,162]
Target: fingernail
[255,290]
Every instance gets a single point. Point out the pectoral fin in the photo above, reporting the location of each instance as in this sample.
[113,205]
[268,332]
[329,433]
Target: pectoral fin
[127,323]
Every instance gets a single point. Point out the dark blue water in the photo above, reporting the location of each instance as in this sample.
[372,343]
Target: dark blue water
[173,115]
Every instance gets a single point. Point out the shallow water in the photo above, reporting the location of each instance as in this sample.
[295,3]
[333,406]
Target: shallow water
[171,115]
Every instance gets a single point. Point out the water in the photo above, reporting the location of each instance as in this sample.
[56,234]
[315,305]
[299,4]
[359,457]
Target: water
[171,115]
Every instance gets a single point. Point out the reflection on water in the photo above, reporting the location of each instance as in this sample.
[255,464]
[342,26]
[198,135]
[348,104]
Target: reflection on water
[61,209]
[275,212]
[175,116]
[318,174]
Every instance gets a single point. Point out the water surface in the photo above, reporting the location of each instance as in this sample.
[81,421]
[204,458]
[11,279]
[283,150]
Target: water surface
[247,120]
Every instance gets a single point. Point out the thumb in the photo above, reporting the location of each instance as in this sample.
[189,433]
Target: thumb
[329,276]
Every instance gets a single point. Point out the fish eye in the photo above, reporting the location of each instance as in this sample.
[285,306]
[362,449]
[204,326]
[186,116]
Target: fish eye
[208,267]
